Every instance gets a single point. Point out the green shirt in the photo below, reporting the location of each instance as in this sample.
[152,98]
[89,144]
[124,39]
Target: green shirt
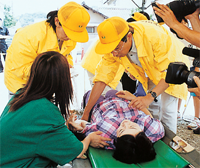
[35,135]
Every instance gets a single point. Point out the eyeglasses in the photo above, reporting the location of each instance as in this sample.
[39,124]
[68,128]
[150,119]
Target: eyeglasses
[117,51]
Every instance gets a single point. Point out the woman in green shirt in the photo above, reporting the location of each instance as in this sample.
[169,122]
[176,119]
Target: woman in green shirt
[33,130]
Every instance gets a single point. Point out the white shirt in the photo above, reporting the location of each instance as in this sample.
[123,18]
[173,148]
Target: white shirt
[133,56]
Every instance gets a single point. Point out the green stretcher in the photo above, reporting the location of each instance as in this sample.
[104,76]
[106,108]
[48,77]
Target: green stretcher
[166,157]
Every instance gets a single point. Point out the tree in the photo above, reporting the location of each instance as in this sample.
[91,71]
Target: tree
[9,20]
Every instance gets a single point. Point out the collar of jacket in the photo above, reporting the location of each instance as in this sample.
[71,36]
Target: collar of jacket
[53,42]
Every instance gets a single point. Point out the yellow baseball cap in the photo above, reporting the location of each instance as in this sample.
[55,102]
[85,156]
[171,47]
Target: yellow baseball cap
[110,32]
[74,19]
[139,16]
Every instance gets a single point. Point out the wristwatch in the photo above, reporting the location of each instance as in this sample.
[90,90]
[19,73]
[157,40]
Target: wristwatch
[154,95]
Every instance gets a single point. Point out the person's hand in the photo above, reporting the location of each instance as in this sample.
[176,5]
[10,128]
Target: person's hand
[194,14]
[166,14]
[125,95]
[141,102]
[75,125]
[97,141]
[197,89]
[72,118]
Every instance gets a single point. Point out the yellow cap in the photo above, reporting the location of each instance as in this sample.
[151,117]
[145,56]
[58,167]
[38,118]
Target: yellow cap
[110,32]
[74,19]
[139,16]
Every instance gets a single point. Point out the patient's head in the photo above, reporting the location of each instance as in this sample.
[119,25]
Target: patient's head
[132,145]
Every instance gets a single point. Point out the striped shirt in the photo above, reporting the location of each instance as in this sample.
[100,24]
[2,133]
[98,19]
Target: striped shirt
[109,113]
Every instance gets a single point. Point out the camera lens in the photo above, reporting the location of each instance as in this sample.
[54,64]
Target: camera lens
[190,81]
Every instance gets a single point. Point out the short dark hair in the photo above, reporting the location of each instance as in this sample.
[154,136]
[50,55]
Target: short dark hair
[124,39]
[130,149]
[145,14]
[50,79]
[51,17]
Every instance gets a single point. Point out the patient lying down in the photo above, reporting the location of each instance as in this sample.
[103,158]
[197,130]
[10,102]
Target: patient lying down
[132,132]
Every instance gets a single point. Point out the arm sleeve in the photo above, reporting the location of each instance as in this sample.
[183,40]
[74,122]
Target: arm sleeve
[90,128]
[153,129]
[59,145]
[106,69]
[24,51]
[70,59]
[162,50]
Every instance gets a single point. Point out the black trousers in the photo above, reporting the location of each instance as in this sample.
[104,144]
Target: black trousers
[128,84]
[2,50]
[1,65]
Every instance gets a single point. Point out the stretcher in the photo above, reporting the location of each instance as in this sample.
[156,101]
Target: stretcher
[166,157]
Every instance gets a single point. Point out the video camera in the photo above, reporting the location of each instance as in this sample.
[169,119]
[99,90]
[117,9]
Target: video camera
[177,72]
[180,8]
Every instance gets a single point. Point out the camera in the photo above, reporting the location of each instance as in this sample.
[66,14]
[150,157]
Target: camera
[177,72]
[180,8]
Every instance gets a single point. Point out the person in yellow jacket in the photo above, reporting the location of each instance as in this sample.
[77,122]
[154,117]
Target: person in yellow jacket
[90,62]
[145,49]
[91,59]
[60,32]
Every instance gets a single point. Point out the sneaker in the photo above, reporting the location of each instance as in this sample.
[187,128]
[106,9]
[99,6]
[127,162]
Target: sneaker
[189,118]
[197,131]
[194,124]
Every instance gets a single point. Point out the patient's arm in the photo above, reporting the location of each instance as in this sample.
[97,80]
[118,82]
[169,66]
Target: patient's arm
[96,141]
[129,96]
[75,125]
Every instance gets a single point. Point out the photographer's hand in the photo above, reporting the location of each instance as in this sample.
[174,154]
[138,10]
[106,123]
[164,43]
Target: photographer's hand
[197,89]
[193,15]
[192,36]
[194,20]
[166,14]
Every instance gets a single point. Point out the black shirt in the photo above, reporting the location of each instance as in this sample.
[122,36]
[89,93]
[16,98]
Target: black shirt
[3,46]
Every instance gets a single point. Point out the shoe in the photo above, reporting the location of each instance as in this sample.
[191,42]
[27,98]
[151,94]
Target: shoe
[1,70]
[194,124]
[197,131]
[190,118]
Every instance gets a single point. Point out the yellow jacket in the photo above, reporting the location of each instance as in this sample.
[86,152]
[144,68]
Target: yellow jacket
[91,60]
[156,48]
[27,43]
